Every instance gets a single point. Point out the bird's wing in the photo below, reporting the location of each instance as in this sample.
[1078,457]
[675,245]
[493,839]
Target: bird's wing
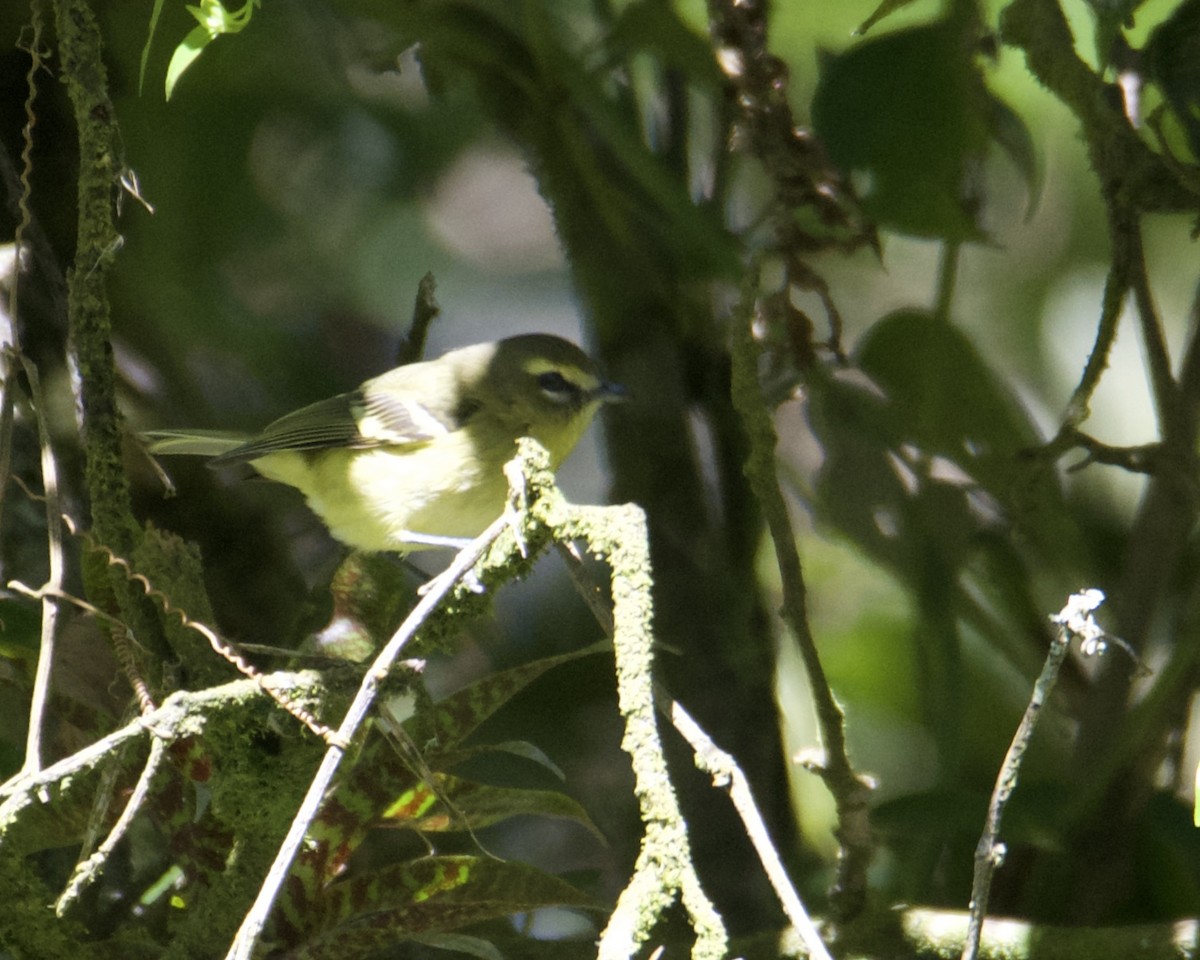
[360,419]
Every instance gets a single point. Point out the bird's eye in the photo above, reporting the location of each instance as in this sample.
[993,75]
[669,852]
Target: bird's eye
[556,385]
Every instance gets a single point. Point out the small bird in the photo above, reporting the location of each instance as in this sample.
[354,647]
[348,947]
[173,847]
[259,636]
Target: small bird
[414,457]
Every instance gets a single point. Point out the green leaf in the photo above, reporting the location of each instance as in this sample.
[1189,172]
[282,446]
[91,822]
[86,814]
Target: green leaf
[431,895]
[943,394]
[1173,63]
[423,807]
[215,20]
[945,399]
[150,30]
[185,55]
[1012,135]
[884,9]
[857,489]
[460,943]
[457,716]
[517,748]
[910,112]
[20,631]
[654,26]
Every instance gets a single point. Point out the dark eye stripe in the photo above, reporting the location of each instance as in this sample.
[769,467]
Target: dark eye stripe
[555,382]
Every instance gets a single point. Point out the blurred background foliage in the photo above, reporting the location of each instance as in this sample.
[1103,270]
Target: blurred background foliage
[568,167]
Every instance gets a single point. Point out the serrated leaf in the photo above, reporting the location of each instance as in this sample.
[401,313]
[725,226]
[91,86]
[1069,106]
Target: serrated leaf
[459,943]
[457,716]
[1172,57]
[1111,17]
[654,26]
[448,759]
[908,110]
[1012,135]
[432,895]
[424,806]
[944,395]
[884,9]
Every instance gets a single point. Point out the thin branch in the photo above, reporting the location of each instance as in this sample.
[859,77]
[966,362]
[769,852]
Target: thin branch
[40,697]
[1129,255]
[849,790]
[1148,458]
[728,776]
[1074,621]
[725,772]
[7,403]
[102,799]
[1115,288]
[951,257]
[425,311]
[184,713]
[90,869]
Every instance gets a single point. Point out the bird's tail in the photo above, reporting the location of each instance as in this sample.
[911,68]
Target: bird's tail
[203,443]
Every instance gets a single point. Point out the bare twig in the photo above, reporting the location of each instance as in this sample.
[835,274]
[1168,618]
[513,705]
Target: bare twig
[41,685]
[799,169]
[1128,251]
[54,533]
[1145,458]
[89,870]
[664,867]
[849,790]
[183,713]
[1115,288]
[102,799]
[7,402]
[724,769]
[425,311]
[1074,621]
[1126,273]
[1126,164]
[728,776]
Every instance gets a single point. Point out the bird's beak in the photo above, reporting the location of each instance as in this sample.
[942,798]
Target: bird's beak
[608,392]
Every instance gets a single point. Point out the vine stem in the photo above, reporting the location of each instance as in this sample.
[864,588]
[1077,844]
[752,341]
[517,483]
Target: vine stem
[850,791]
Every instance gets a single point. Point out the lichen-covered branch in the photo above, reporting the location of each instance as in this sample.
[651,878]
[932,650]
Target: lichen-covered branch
[664,868]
